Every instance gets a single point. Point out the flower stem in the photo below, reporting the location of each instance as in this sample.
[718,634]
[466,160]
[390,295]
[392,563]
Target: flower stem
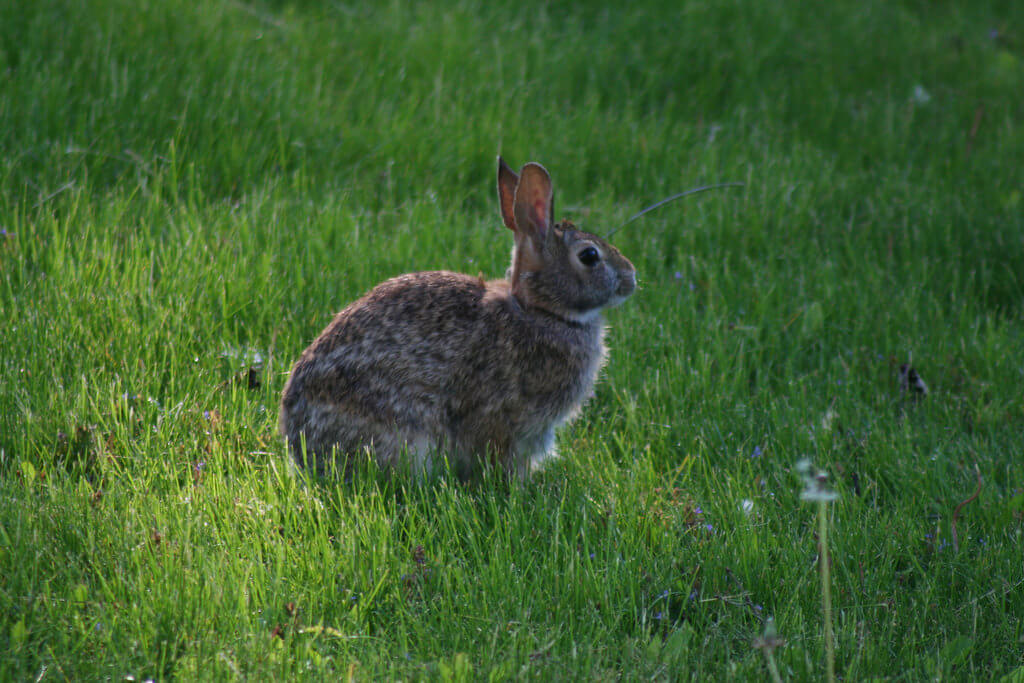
[773,668]
[826,590]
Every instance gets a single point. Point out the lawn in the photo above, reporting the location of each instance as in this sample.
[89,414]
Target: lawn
[189,191]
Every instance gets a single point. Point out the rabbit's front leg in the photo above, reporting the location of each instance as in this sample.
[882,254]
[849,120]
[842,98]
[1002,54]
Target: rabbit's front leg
[531,451]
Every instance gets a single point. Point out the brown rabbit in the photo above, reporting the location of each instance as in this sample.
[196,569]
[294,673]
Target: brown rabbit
[443,364]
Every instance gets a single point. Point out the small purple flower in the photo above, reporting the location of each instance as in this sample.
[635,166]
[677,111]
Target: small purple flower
[200,465]
[694,594]
[993,34]
[592,555]
[664,594]
[658,616]
[709,527]
[678,275]
[758,608]
[693,287]
[756,453]
[698,511]
[206,414]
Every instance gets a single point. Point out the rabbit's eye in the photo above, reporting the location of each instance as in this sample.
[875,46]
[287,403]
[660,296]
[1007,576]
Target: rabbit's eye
[589,256]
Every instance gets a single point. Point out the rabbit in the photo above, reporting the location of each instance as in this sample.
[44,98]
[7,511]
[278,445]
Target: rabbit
[439,364]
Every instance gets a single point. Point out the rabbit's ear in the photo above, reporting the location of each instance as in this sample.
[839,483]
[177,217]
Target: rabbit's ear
[507,181]
[534,202]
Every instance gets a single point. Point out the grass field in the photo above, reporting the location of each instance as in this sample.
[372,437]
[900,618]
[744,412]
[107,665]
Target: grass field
[189,191]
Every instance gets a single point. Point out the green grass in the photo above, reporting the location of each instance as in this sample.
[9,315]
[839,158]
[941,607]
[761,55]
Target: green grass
[190,190]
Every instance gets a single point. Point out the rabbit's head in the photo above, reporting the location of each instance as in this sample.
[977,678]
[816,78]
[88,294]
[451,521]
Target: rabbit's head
[555,267]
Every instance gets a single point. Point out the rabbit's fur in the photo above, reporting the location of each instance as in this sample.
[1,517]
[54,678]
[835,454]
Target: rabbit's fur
[439,364]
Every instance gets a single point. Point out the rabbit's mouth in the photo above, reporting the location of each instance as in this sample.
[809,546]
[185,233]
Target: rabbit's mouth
[616,300]
[627,285]
[621,295]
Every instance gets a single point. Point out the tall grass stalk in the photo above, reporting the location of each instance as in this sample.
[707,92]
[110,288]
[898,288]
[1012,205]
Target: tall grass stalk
[817,492]
[826,591]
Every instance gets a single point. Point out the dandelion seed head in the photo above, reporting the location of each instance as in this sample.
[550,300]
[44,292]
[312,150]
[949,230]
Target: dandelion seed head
[815,489]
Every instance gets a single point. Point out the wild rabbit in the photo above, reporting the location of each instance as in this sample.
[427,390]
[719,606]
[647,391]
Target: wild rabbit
[440,364]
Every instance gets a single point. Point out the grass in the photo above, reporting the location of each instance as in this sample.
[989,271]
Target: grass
[188,191]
